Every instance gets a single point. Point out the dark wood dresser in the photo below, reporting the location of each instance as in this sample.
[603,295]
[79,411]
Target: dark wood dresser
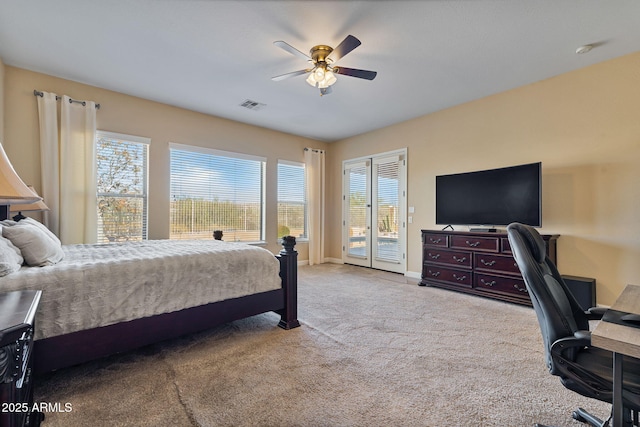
[17,314]
[475,263]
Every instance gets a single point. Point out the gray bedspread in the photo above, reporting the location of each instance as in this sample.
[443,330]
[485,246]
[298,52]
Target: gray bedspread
[99,285]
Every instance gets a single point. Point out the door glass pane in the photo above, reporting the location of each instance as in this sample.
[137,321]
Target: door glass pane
[387,191]
[357,211]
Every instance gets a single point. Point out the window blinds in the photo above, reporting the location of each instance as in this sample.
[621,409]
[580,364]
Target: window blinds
[387,188]
[215,190]
[292,201]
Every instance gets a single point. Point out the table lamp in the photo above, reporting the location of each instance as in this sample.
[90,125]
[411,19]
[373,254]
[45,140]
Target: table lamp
[12,189]
[28,207]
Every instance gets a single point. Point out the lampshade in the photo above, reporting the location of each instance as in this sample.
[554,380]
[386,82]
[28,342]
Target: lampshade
[329,79]
[12,189]
[30,207]
[311,80]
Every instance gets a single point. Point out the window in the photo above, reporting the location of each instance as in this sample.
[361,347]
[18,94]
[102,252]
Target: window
[216,190]
[292,200]
[121,166]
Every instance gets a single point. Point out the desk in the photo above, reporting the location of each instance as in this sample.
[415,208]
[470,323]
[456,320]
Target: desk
[621,340]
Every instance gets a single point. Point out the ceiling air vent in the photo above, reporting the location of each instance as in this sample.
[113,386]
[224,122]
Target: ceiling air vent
[253,105]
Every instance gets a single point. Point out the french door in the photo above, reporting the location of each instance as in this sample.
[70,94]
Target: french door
[374,218]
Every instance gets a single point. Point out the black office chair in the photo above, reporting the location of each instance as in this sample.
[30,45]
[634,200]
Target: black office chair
[565,331]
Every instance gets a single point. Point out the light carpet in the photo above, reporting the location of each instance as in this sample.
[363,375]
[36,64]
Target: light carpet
[373,350]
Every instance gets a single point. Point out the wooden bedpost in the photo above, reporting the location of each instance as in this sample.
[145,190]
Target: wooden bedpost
[289,274]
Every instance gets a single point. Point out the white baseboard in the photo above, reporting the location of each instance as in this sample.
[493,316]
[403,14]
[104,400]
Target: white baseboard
[413,275]
[410,274]
[326,260]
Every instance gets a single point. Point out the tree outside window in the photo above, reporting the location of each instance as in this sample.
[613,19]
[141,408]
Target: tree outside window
[121,164]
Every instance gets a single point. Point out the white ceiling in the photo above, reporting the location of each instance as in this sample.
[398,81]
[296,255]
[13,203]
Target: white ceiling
[210,56]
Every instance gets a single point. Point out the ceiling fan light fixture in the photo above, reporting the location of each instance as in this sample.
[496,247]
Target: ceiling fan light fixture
[329,79]
[321,77]
[311,80]
[319,72]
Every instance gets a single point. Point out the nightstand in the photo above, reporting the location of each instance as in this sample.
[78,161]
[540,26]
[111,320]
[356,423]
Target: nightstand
[17,316]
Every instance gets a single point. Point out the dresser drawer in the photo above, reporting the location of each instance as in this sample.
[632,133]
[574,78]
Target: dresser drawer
[476,243]
[443,256]
[478,263]
[449,275]
[495,283]
[506,246]
[491,262]
[433,239]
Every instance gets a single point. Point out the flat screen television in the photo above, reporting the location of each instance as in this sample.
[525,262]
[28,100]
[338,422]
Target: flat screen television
[491,197]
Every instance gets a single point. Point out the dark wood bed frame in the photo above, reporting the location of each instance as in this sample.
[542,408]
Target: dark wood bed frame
[78,347]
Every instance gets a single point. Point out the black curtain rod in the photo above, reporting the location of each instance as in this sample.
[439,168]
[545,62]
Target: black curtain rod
[58,98]
[315,150]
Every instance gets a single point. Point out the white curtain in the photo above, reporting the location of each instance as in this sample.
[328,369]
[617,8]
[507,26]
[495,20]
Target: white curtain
[49,159]
[314,169]
[68,168]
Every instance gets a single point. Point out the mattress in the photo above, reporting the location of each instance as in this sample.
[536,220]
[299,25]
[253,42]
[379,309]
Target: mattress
[103,284]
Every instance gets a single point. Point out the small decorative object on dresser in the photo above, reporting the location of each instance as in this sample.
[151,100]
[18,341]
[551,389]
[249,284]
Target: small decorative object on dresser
[476,263]
[17,314]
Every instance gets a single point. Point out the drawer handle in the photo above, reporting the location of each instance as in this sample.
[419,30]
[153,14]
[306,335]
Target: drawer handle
[521,289]
[473,245]
[490,284]
[434,273]
[460,260]
[432,240]
[436,256]
[459,278]
[488,263]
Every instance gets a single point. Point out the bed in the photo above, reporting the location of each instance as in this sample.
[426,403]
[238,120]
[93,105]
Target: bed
[100,300]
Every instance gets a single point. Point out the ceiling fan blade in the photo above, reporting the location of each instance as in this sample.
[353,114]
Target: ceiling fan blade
[288,75]
[292,50]
[353,72]
[346,46]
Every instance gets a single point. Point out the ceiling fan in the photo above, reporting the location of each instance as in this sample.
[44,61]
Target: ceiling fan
[322,58]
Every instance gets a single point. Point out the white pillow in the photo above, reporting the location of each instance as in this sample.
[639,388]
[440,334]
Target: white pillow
[42,227]
[10,257]
[38,247]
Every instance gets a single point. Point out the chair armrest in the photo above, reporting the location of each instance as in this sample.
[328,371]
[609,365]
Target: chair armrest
[595,313]
[579,339]
[564,355]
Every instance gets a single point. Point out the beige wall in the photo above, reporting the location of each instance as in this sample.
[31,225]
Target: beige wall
[1,100]
[585,128]
[162,123]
